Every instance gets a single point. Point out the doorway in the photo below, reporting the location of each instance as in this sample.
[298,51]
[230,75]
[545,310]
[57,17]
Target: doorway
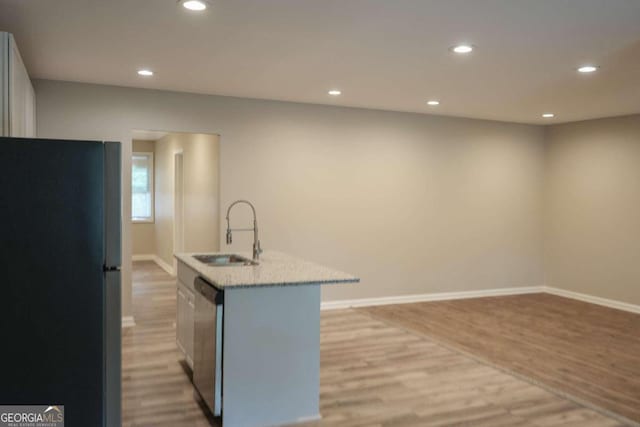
[178,206]
[175,196]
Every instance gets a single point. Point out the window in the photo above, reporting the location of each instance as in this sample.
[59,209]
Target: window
[142,187]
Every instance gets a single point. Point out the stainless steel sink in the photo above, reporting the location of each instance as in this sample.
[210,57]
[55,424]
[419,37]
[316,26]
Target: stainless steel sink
[230,260]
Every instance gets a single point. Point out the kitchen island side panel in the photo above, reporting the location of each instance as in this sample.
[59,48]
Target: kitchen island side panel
[271,355]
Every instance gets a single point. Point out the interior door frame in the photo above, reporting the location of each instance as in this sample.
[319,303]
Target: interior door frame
[178,205]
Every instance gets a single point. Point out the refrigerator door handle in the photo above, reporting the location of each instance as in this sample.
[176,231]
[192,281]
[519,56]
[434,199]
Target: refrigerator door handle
[112,210]
[111,268]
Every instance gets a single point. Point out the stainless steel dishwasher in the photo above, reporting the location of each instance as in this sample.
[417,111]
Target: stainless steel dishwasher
[207,346]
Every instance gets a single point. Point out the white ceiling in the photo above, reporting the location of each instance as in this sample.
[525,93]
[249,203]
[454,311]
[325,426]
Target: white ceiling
[385,54]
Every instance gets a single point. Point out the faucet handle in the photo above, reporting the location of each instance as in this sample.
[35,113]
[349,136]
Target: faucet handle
[257,250]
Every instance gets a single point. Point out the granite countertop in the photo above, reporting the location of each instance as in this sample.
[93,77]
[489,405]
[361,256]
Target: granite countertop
[275,269]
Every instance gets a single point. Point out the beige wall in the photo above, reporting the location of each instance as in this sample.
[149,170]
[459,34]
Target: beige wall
[143,235]
[592,242]
[201,193]
[411,203]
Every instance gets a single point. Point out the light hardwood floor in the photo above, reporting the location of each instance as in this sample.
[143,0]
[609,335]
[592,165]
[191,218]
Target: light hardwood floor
[589,351]
[372,374]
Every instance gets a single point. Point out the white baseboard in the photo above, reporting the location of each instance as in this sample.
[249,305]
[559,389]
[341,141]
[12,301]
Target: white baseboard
[441,296]
[592,299]
[128,321]
[165,266]
[155,258]
[143,257]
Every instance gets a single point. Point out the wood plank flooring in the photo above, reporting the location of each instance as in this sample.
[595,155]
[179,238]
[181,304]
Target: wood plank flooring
[372,374]
[589,351]
[375,374]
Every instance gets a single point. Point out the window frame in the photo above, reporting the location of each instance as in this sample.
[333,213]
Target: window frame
[152,174]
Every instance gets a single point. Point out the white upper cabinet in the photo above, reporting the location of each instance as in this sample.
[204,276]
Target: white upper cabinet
[17,97]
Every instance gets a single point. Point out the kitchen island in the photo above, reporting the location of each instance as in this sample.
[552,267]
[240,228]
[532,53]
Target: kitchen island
[270,335]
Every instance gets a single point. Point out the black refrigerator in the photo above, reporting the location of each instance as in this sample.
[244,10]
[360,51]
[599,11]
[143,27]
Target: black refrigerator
[60,315]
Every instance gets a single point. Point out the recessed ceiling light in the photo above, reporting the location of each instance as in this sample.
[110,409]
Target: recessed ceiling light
[433,102]
[145,73]
[462,48]
[588,69]
[335,92]
[195,5]
[548,115]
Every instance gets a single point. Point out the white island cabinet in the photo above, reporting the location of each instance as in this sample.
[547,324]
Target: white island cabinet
[185,311]
[270,340]
[184,323]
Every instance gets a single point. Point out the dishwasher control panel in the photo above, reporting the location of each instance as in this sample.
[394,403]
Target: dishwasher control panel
[209,291]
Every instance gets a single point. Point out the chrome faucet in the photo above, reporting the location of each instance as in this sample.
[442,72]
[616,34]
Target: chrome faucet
[256,242]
